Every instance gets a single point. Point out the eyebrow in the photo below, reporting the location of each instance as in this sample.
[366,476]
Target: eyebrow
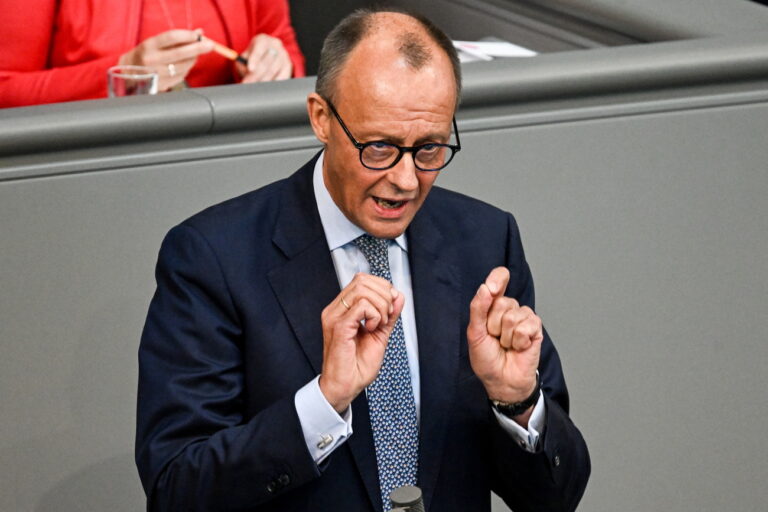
[434,137]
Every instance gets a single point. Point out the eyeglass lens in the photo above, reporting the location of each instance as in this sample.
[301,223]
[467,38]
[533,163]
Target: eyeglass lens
[380,155]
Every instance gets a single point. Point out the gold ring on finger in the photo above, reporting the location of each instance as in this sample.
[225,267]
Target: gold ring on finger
[344,303]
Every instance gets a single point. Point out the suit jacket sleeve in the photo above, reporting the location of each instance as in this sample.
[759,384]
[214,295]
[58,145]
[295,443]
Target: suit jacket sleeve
[553,478]
[194,448]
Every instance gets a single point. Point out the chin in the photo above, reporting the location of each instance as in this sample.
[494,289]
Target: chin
[383,230]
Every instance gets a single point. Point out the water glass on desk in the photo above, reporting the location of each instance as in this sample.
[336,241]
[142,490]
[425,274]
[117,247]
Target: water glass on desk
[131,81]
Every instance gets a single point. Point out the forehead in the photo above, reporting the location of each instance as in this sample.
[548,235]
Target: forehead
[377,78]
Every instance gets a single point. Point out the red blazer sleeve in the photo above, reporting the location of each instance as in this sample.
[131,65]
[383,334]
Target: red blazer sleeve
[79,82]
[273,17]
[27,29]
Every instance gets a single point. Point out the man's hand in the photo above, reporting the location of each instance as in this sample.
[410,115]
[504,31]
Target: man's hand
[504,342]
[353,350]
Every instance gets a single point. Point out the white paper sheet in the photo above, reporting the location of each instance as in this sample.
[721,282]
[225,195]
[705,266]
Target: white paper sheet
[486,50]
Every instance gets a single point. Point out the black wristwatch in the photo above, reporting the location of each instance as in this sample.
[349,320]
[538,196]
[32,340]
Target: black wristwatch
[511,410]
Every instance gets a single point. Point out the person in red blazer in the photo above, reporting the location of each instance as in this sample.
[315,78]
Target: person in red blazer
[57,51]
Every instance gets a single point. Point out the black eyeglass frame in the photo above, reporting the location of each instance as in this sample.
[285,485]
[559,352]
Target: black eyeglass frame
[455,148]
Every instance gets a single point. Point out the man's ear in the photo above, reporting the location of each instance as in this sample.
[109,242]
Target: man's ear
[319,116]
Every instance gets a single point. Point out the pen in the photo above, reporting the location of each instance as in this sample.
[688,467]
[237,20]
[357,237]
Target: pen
[224,51]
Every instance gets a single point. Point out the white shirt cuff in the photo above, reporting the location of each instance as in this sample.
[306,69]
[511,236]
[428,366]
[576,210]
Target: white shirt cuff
[324,430]
[527,439]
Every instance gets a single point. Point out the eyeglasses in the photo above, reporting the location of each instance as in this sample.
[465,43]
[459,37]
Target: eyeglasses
[379,155]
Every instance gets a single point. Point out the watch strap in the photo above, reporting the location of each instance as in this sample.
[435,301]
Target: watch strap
[516,408]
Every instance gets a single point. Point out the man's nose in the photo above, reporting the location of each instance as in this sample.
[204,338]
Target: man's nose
[404,174]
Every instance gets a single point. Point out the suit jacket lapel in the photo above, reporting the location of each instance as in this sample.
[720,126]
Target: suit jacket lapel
[307,282]
[436,291]
[304,286]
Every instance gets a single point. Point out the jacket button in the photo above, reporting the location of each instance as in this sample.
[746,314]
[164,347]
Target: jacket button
[271,486]
[556,460]
[284,480]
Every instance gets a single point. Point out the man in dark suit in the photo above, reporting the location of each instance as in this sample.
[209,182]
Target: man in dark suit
[314,344]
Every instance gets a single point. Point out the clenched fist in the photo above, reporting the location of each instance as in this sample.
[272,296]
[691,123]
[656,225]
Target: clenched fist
[356,328]
[504,342]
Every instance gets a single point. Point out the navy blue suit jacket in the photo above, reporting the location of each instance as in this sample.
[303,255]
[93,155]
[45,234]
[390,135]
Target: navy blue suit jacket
[233,331]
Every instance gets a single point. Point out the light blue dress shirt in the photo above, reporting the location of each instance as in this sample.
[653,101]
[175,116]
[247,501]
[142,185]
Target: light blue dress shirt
[324,429]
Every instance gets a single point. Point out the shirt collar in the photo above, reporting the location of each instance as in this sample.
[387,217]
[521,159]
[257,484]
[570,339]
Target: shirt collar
[339,230]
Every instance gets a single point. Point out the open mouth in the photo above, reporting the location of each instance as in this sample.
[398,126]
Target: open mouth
[387,204]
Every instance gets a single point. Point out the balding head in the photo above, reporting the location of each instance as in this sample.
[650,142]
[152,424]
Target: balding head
[416,39]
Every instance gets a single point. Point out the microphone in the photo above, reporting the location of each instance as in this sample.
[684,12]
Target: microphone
[406,499]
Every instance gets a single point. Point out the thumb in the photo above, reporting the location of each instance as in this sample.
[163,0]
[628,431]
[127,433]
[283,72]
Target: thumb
[497,281]
[478,314]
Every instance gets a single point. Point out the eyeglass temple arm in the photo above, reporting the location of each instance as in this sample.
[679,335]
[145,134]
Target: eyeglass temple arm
[456,131]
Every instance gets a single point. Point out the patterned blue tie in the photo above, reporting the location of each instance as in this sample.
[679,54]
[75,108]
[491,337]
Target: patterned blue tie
[390,396]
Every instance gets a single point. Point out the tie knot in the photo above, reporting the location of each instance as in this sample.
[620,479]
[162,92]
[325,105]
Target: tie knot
[375,251]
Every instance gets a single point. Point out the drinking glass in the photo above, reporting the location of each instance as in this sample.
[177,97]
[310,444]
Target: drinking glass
[131,81]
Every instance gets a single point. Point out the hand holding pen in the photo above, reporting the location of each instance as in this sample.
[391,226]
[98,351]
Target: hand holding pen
[172,54]
[265,59]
